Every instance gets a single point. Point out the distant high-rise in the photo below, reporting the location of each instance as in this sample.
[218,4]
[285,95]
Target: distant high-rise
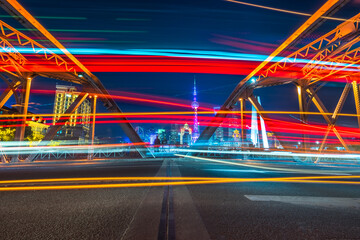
[140,131]
[195,106]
[218,136]
[78,126]
[174,134]
[186,135]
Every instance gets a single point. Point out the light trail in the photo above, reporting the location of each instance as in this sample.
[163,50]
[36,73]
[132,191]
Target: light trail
[130,114]
[40,148]
[26,149]
[92,186]
[87,30]
[227,122]
[293,128]
[188,181]
[106,179]
[92,41]
[323,181]
[14,147]
[157,60]
[283,10]
[311,139]
[173,56]
[273,125]
[90,179]
[166,179]
[277,153]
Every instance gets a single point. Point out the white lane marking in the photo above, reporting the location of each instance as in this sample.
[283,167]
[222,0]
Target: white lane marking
[307,200]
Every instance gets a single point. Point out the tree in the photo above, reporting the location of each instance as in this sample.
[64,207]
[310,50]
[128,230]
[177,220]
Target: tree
[34,138]
[7,133]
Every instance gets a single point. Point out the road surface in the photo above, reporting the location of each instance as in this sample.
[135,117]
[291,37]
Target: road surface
[237,210]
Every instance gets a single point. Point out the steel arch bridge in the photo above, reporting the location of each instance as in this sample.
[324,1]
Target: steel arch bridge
[334,55]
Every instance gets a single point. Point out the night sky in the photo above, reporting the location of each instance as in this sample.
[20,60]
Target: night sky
[214,25]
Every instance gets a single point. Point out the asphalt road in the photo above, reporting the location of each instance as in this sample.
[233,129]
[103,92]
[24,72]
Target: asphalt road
[242,210]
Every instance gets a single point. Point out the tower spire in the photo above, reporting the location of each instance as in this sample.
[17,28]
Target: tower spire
[195,106]
[195,93]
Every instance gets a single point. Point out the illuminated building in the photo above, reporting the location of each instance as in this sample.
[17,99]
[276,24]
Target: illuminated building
[140,131]
[218,136]
[174,134]
[195,106]
[162,135]
[236,135]
[35,128]
[186,135]
[78,126]
[233,134]
[38,126]
[152,139]
[150,135]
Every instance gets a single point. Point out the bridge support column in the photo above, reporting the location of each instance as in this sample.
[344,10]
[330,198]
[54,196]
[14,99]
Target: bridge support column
[93,106]
[242,118]
[301,90]
[23,110]
[357,101]
[93,119]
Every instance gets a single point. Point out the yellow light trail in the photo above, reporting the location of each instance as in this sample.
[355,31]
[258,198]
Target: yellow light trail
[190,181]
[283,10]
[106,179]
[89,179]
[92,186]
[324,181]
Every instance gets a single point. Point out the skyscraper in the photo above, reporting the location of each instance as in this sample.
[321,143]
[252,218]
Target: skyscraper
[174,134]
[218,136]
[195,106]
[78,126]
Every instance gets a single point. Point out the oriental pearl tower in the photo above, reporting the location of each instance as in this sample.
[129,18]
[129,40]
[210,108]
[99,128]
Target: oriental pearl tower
[195,106]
